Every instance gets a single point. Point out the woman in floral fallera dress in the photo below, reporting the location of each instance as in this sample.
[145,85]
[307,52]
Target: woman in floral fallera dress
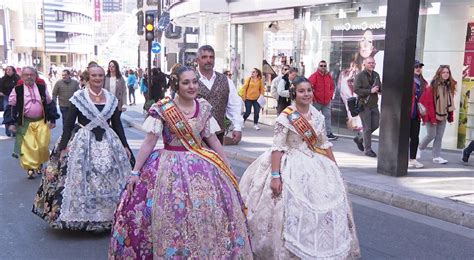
[181,201]
[296,198]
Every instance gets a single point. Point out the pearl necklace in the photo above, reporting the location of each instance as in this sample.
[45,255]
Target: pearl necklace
[97,96]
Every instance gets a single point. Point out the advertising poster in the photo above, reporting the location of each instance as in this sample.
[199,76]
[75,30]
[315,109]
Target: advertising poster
[466,108]
[351,43]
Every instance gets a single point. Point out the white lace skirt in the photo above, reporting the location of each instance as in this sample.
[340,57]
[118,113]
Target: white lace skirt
[311,220]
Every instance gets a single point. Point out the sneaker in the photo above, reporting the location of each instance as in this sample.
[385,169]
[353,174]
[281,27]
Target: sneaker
[465,156]
[440,160]
[332,137]
[371,153]
[256,127]
[359,143]
[415,163]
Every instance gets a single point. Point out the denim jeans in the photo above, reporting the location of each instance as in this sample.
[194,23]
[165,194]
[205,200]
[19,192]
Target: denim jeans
[64,111]
[248,108]
[326,111]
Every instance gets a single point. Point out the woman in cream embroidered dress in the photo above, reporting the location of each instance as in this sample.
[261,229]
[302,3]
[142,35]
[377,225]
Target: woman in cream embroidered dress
[296,198]
[178,205]
[89,166]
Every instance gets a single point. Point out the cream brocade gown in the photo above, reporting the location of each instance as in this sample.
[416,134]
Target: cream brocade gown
[313,217]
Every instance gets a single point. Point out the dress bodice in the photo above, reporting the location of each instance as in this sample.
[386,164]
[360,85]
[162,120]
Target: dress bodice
[286,137]
[200,124]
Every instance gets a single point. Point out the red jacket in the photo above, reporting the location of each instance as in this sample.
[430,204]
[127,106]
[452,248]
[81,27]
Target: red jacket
[323,87]
[427,100]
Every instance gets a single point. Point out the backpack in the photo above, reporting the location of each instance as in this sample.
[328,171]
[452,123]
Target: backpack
[274,87]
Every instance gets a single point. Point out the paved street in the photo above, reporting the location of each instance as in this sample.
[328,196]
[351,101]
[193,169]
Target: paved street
[385,232]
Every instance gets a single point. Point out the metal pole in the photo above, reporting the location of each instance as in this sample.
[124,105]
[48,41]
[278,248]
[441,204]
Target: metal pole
[149,71]
[138,66]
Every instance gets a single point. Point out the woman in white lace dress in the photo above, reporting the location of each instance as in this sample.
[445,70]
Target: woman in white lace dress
[296,198]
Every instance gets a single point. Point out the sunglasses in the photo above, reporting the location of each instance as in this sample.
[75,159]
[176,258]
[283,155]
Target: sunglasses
[418,67]
[444,66]
[285,69]
[322,66]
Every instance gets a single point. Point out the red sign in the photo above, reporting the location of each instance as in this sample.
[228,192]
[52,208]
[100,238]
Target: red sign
[97,10]
[468,70]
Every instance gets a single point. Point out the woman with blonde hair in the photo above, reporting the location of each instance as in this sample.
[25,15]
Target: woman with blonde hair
[253,88]
[438,99]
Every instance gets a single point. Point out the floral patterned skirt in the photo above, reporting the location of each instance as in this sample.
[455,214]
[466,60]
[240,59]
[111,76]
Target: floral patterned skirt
[71,197]
[182,207]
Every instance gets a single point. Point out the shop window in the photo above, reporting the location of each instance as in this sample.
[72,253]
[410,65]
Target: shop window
[63,58]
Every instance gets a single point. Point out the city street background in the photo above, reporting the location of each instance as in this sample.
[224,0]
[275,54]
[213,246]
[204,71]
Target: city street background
[385,232]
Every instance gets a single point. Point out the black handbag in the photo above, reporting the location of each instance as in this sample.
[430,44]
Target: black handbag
[353,105]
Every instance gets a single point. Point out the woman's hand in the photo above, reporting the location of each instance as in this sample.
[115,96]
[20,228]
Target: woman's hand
[276,185]
[132,183]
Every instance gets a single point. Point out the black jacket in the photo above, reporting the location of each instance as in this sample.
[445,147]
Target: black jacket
[7,83]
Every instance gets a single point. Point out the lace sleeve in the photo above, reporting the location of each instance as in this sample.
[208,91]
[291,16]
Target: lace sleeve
[323,141]
[211,127]
[280,134]
[153,125]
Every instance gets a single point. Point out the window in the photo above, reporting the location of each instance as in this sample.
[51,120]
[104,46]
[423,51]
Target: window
[61,36]
[59,16]
[63,58]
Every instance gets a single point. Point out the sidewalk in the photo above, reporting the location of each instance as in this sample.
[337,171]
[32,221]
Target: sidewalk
[444,192]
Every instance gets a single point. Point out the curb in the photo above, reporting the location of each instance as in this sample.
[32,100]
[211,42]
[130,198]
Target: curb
[459,214]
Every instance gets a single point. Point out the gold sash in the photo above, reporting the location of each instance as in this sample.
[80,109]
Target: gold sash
[180,126]
[304,129]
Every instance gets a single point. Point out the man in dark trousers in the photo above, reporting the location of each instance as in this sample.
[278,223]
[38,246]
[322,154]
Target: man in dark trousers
[367,86]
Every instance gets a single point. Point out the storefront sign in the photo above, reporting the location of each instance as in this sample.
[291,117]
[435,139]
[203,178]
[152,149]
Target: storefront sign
[359,26]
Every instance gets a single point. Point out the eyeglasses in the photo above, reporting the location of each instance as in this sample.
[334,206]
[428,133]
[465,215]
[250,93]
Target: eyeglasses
[323,66]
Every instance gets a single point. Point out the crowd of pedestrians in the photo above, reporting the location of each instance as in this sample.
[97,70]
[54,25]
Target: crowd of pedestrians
[183,201]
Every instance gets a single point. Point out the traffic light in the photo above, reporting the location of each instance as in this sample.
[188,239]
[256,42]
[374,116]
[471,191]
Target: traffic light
[140,23]
[150,26]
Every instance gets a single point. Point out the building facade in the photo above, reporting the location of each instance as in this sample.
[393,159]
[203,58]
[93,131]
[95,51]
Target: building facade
[343,33]
[22,33]
[111,6]
[69,32]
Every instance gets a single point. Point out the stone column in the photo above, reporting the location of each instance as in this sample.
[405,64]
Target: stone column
[253,47]
[400,46]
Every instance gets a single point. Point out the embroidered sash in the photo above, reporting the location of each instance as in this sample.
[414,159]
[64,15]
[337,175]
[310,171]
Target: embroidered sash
[304,129]
[180,126]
